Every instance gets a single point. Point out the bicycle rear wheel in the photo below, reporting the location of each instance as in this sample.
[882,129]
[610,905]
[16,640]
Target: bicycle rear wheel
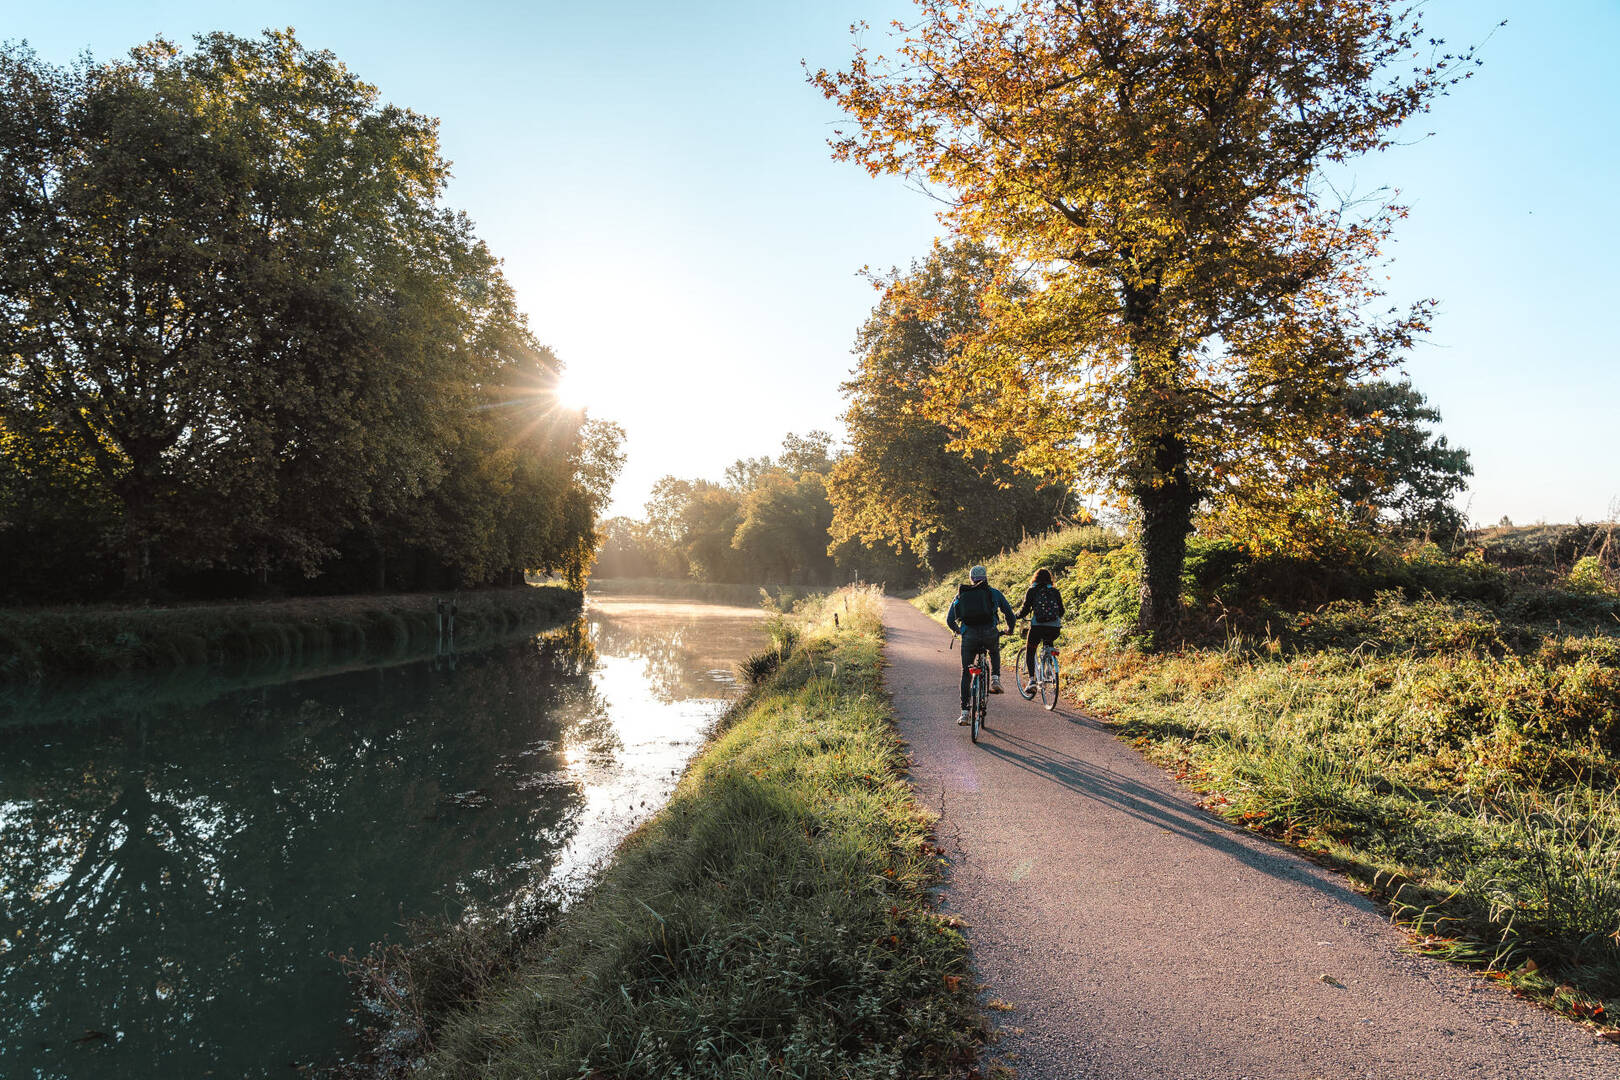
[980,697]
[975,706]
[1049,681]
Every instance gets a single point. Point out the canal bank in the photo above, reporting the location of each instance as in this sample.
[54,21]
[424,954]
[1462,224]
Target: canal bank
[50,643]
[775,918]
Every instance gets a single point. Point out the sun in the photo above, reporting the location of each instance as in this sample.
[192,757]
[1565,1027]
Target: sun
[570,395]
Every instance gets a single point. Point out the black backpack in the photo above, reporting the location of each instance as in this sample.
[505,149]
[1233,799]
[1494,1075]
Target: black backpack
[1046,605]
[974,605]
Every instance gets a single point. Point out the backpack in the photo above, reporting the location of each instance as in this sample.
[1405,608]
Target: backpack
[1046,605]
[975,606]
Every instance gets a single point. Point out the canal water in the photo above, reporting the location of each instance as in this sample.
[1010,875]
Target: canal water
[181,862]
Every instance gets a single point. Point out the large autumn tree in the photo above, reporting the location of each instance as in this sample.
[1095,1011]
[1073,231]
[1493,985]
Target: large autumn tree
[1192,297]
[901,486]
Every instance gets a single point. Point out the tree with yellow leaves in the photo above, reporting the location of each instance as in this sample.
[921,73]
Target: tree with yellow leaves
[1185,296]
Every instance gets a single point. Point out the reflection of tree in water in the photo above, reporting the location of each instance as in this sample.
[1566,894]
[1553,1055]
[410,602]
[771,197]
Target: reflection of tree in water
[685,655]
[175,881]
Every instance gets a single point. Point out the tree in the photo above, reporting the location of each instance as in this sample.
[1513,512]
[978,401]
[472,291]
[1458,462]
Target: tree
[768,520]
[1182,287]
[1397,466]
[709,521]
[228,288]
[901,486]
[811,452]
[783,530]
[744,473]
[1375,466]
[207,258]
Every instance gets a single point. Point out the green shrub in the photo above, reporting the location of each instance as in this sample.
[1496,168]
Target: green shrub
[1589,576]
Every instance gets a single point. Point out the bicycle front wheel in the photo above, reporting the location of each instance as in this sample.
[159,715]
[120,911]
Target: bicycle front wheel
[1049,682]
[1026,684]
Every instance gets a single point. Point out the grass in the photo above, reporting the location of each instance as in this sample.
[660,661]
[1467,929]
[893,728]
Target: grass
[48,643]
[774,920]
[1445,730]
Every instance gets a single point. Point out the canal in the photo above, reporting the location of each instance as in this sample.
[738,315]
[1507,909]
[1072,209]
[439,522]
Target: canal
[181,861]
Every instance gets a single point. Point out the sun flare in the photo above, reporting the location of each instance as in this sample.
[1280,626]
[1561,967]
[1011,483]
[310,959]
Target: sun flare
[570,395]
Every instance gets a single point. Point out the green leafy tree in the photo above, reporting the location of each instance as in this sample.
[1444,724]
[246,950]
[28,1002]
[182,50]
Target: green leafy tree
[811,452]
[783,531]
[708,522]
[228,288]
[902,486]
[1398,467]
[767,521]
[1183,291]
[208,259]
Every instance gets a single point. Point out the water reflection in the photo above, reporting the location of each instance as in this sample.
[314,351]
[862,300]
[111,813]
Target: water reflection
[173,879]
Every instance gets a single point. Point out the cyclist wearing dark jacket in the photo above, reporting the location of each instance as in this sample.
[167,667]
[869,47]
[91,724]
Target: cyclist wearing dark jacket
[1044,603]
[973,614]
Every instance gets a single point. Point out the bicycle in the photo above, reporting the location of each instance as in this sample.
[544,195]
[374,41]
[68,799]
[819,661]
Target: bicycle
[1046,676]
[979,693]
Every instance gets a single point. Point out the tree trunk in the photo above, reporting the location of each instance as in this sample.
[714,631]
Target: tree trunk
[1163,491]
[134,490]
[931,545]
[1167,509]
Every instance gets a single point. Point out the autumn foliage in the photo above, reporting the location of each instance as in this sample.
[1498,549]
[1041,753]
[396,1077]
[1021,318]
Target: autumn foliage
[1184,296]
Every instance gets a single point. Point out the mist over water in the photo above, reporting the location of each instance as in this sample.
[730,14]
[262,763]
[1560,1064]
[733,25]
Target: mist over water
[174,878]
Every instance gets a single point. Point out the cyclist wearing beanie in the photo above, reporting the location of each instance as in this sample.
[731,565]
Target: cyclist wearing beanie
[973,615]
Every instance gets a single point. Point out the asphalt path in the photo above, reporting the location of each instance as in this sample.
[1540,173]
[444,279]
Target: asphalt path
[1135,936]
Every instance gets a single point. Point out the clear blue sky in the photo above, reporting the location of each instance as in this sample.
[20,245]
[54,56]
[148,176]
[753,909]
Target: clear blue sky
[658,184]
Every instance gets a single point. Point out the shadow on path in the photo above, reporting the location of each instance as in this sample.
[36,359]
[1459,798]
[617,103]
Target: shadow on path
[1154,807]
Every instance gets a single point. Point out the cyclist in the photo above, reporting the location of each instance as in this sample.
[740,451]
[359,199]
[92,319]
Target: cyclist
[973,615]
[1044,604]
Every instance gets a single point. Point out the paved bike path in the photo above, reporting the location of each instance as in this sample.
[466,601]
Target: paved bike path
[1138,937]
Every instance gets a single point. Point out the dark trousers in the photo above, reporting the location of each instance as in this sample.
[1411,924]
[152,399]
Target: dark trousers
[1038,636]
[975,638]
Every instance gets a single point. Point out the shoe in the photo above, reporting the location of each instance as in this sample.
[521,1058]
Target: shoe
[995,684]
[962,721]
[1028,692]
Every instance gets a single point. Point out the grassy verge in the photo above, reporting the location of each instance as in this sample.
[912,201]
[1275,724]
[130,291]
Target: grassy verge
[55,642]
[773,920]
[1444,730]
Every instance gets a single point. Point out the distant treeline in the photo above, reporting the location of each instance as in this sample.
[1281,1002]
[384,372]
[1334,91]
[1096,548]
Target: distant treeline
[245,346]
[778,519]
